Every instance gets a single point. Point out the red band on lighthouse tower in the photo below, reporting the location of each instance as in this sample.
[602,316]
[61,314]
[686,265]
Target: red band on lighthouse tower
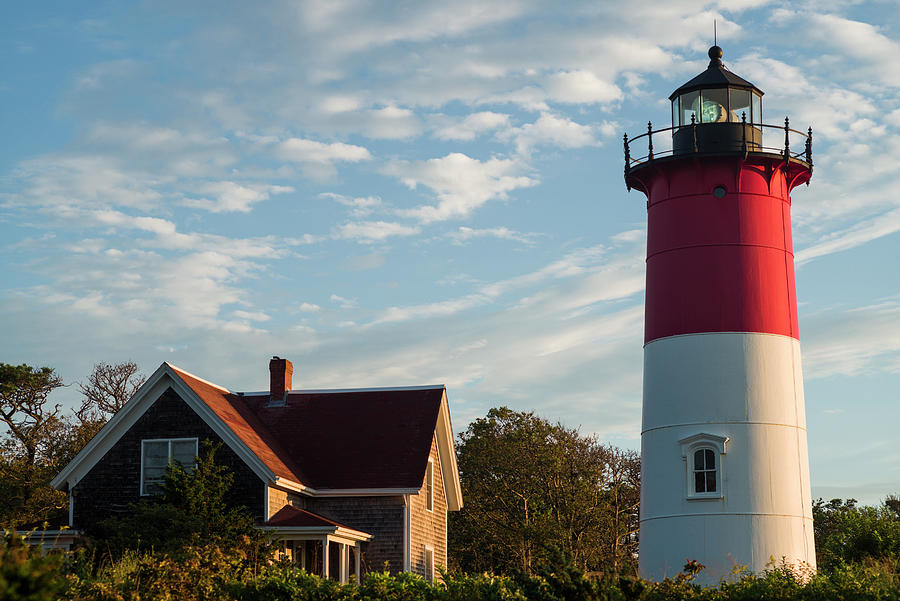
[719,250]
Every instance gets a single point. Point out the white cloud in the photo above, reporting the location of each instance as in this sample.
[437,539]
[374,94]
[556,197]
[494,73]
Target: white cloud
[852,342]
[464,234]
[581,87]
[550,129]
[373,231]
[360,205]
[310,151]
[472,125]
[309,308]
[233,197]
[856,235]
[461,183]
[251,315]
[344,303]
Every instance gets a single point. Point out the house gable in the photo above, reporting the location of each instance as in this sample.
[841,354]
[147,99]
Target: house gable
[163,378]
[113,482]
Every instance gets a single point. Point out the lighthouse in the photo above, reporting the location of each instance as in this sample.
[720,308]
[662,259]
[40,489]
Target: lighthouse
[724,460]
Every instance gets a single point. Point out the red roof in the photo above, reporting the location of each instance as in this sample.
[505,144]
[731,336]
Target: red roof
[292,517]
[378,438]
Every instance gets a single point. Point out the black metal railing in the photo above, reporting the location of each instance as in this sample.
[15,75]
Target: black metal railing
[744,145]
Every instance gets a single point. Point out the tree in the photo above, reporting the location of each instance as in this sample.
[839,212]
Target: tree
[846,533]
[40,439]
[191,510]
[33,424]
[108,388]
[534,488]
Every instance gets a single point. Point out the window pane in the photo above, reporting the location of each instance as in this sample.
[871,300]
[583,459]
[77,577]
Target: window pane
[156,454]
[699,464]
[714,105]
[689,104]
[740,103]
[699,482]
[154,473]
[710,459]
[184,451]
[756,108]
[710,482]
[675,113]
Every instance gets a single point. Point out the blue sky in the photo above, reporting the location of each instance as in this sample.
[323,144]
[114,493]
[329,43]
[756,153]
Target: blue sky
[428,192]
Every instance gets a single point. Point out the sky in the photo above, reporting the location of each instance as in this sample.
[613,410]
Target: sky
[428,192]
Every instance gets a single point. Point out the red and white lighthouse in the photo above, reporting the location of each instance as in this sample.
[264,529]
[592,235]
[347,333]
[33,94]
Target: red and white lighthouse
[725,469]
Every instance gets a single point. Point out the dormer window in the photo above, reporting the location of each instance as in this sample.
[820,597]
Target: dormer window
[703,454]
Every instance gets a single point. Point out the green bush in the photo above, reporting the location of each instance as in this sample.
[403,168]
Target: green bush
[26,574]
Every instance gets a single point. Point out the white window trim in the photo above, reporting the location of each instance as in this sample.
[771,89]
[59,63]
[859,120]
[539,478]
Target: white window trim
[170,441]
[429,571]
[689,446]
[429,486]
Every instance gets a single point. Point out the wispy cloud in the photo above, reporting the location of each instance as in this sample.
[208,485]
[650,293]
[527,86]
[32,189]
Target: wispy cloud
[373,231]
[461,183]
[464,234]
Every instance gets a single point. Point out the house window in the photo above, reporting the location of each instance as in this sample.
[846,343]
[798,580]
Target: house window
[156,455]
[704,471]
[429,563]
[704,456]
[429,485]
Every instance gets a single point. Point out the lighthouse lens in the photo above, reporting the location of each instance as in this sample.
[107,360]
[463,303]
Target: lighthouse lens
[713,103]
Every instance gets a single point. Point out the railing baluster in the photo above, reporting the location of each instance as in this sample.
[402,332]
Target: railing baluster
[787,141]
[650,140]
[744,133]
[627,153]
[694,129]
[809,147]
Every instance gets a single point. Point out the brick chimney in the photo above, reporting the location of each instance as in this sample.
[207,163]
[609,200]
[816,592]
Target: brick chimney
[280,373]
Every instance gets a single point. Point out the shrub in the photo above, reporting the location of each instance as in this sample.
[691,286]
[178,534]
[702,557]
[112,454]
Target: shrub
[26,574]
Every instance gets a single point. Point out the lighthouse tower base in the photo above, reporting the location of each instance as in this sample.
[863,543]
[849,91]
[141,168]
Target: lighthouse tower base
[725,477]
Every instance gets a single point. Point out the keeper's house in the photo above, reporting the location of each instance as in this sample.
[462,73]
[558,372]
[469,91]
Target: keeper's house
[346,479]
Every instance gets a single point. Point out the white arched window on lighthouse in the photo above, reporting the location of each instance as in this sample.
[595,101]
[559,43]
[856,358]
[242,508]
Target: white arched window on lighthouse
[703,456]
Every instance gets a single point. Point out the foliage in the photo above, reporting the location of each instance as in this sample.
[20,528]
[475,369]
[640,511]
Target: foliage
[207,574]
[26,575]
[533,486]
[846,533]
[29,450]
[107,390]
[191,511]
[40,440]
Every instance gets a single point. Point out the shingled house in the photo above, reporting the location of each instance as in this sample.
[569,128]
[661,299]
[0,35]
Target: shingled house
[346,479]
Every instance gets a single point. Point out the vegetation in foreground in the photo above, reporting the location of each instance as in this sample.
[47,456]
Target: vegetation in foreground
[568,504]
[210,573]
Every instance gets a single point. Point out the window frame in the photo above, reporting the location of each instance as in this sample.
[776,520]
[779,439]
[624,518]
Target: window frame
[429,569]
[429,485]
[703,441]
[194,439]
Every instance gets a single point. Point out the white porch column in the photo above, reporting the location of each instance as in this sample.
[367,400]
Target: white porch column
[344,563]
[325,556]
[357,551]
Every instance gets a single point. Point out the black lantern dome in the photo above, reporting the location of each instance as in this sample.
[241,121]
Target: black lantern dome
[728,107]
[717,113]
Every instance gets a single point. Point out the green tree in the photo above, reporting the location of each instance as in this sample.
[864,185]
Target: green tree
[846,533]
[32,424]
[40,439]
[191,510]
[534,488]
[26,574]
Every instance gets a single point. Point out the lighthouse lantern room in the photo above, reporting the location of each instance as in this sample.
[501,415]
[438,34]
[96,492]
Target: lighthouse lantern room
[725,470]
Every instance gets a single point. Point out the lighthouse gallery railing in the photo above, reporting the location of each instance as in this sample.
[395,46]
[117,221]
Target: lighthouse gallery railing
[747,145]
